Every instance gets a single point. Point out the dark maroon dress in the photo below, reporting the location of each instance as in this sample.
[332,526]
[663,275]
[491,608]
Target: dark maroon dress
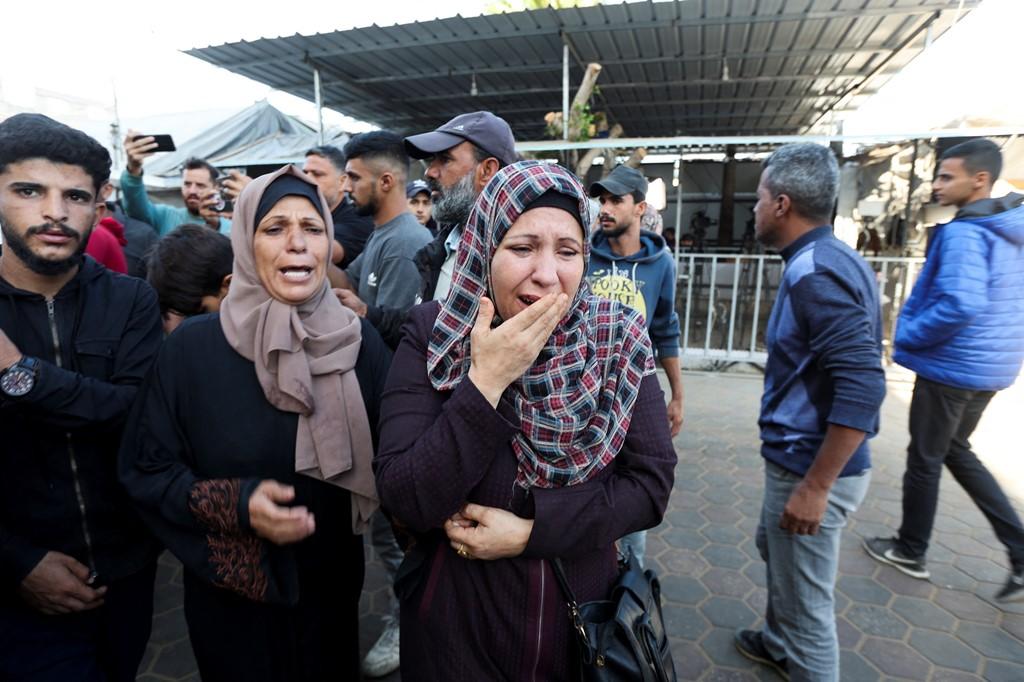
[506,619]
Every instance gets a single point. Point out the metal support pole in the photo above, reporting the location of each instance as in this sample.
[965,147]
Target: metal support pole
[689,304]
[679,203]
[565,92]
[732,303]
[911,188]
[318,97]
[711,305]
[757,304]
[727,211]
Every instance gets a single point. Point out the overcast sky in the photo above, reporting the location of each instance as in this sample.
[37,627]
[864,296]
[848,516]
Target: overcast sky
[91,50]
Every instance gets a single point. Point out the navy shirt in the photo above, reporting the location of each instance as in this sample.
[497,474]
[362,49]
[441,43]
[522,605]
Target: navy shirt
[824,341]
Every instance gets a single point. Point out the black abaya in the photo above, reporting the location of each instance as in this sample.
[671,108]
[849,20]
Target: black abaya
[200,439]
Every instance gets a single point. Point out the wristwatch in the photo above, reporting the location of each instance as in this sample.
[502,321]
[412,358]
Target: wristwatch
[18,379]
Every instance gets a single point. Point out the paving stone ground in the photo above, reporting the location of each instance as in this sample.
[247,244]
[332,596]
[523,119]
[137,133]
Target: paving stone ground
[891,627]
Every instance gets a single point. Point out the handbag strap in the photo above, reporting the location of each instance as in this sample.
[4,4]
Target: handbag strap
[563,582]
[574,610]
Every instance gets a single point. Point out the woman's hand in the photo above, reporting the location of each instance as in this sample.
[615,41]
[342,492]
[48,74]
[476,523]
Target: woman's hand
[488,533]
[279,524]
[500,356]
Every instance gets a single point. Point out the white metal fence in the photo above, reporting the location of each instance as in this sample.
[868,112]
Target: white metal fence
[724,302]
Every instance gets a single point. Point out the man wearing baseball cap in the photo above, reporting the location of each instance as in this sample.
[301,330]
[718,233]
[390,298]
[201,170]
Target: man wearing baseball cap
[633,266]
[421,204]
[462,156]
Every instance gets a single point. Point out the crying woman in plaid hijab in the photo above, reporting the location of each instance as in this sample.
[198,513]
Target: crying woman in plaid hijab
[576,400]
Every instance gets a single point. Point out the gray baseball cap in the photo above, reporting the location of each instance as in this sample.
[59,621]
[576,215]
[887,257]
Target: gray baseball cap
[621,181]
[487,131]
[415,187]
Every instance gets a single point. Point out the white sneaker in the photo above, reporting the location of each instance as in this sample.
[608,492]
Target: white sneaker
[383,658]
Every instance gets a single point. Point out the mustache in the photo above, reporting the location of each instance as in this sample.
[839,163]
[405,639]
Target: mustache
[53,227]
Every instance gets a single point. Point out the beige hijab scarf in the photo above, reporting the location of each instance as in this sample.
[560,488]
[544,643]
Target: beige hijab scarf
[305,357]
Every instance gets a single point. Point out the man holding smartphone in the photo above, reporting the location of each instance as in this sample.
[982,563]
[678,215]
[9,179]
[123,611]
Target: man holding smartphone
[199,191]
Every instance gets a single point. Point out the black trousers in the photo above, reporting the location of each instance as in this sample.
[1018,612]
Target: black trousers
[102,645]
[942,419]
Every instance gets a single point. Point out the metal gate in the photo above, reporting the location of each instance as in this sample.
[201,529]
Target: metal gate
[724,302]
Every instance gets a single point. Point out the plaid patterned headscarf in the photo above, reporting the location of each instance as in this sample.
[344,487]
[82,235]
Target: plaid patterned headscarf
[576,402]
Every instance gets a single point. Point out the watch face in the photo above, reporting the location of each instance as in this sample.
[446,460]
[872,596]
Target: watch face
[17,381]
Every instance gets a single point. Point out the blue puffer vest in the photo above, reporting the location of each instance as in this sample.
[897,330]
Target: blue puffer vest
[963,325]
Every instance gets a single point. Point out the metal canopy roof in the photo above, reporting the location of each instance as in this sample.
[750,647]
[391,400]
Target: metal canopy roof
[681,67]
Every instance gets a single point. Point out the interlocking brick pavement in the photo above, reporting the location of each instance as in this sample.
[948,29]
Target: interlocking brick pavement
[890,626]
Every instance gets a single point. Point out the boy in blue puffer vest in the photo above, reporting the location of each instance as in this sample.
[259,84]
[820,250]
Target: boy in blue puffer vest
[962,332]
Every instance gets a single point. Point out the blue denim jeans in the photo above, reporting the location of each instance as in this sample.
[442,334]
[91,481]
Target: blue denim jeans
[800,622]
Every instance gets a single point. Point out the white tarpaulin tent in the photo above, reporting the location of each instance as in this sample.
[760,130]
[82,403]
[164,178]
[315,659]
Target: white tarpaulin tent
[256,136]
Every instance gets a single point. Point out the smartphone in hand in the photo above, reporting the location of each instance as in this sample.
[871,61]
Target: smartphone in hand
[164,143]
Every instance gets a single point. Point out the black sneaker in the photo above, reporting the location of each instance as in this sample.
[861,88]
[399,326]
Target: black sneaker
[750,644]
[1013,590]
[887,550]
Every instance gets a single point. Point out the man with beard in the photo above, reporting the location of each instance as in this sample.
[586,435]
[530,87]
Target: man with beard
[384,274]
[76,566]
[462,156]
[632,266]
[198,186]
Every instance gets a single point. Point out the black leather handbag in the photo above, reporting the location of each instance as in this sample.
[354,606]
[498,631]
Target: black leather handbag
[622,639]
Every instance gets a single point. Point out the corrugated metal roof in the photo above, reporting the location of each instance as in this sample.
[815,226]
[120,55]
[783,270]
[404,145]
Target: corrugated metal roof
[682,67]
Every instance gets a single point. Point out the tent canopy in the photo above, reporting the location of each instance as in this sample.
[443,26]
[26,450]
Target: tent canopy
[258,135]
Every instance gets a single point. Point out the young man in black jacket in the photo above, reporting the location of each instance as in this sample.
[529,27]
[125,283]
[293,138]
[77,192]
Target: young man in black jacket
[76,566]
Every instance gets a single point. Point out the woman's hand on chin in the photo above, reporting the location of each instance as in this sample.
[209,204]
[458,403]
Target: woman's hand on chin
[271,520]
[487,533]
[501,355]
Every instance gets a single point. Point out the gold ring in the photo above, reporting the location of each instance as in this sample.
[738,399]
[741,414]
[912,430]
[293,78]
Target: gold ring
[461,551]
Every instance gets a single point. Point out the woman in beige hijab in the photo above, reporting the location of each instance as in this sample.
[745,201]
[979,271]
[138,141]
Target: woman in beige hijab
[249,450]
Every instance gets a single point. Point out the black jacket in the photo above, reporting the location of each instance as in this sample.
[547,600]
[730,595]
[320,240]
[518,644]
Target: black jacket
[141,236]
[389,321]
[59,489]
[351,230]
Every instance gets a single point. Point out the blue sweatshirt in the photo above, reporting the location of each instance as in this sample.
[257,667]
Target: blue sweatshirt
[645,280]
[824,341]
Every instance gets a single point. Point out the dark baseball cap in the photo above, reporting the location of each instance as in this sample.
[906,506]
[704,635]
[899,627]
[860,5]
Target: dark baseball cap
[415,187]
[487,131]
[621,181]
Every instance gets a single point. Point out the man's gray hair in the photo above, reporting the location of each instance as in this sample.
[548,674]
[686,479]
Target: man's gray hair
[808,174]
